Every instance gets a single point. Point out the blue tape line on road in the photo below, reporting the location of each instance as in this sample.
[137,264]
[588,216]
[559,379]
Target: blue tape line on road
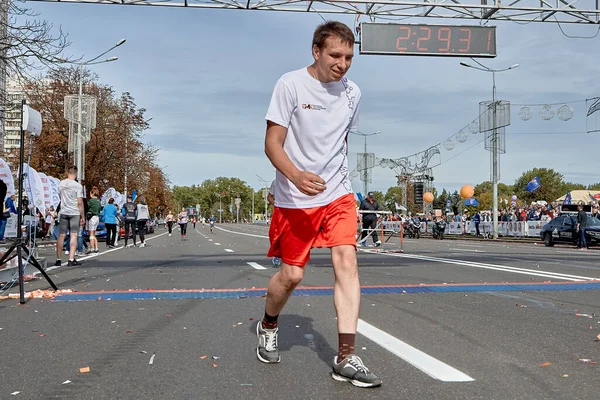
[237,294]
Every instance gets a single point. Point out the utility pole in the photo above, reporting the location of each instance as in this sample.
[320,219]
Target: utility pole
[365,171]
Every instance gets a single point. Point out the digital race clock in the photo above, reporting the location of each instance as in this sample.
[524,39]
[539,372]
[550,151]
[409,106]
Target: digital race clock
[428,40]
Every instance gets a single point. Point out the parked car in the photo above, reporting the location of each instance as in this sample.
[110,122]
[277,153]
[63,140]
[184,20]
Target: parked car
[100,233]
[562,229]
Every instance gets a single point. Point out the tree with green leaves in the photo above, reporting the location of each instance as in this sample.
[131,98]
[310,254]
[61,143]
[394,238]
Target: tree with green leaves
[552,185]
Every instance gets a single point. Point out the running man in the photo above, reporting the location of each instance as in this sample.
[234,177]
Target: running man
[311,113]
[211,222]
[182,219]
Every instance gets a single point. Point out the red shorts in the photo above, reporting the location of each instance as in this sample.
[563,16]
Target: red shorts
[294,231]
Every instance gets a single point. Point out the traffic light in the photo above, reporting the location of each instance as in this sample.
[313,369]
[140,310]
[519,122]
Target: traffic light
[418,190]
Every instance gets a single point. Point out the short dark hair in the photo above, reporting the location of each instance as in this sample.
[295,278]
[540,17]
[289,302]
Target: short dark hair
[332,28]
[72,169]
[111,200]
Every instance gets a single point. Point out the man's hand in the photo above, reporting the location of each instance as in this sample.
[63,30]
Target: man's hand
[82,221]
[308,183]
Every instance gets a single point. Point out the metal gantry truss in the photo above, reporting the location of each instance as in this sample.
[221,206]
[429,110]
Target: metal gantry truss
[566,11]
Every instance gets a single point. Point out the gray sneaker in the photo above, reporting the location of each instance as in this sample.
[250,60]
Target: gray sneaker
[267,350]
[351,369]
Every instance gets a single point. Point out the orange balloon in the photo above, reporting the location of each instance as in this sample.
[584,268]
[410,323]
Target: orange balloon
[467,191]
[428,197]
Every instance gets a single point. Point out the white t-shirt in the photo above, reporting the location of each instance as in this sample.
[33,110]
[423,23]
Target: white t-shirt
[272,188]
[69,191]
[142,212]
[318,117]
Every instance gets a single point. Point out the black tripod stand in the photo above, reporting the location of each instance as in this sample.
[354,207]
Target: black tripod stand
[18,245]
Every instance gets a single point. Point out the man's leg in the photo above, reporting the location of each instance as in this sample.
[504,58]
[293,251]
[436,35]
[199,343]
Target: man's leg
[133,230]
[373,225]
[126,232]
[280,288]
[365,231]
[60,243]
[347,366]
[346,290]
[74,228]
[3,223]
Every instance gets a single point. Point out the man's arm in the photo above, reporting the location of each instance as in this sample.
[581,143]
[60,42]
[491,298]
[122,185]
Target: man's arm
[306,182]
[81,210]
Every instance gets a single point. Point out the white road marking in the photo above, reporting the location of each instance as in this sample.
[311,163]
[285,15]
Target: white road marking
[429,365]
[255,265]
[229,250]
[505,268]
[471,250]
[242,233]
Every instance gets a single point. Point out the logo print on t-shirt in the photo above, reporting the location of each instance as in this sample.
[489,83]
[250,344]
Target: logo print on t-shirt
[315,107]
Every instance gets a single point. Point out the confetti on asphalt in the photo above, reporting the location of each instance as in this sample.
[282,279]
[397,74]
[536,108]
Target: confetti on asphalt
[128,331]
[587,361]
[151,359]
[66,382]
[42,334]
[364,348]
[251,319]
[203,357]
[14,393]
[84,370]
[239,323]
[565,376]
[215,357]
[144,352]
[167,315]
[246,384]
[598,337]
[214,365]
[547,363]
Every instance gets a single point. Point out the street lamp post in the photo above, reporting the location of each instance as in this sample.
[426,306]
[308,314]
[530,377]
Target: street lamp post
[265,192]
[220,206]
[92,61]
[252,215]
[494,155]
[365,170]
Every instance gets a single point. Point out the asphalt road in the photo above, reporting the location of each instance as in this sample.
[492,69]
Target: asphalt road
[442,320]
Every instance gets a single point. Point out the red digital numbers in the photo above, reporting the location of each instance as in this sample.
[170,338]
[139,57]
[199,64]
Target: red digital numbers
[466,40]
[406,37]
[442,40]
[444,35]
[426,38]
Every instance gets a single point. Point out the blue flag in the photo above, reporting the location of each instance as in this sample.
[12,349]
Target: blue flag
[471,202]
[134,195]
[533,185]
[359,196]
[568,198]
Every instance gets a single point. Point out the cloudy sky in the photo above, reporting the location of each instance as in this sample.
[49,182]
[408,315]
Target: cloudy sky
[206,76]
